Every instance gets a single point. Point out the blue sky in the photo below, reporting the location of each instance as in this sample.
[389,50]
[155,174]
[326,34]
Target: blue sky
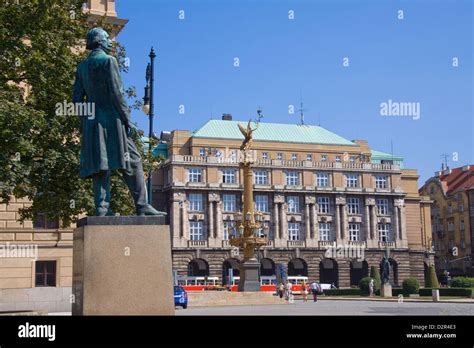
[407,60]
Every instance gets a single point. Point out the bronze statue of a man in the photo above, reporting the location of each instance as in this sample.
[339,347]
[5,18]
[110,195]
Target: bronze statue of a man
[106,142]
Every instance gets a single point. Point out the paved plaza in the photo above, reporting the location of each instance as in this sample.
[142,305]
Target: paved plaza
[338,307]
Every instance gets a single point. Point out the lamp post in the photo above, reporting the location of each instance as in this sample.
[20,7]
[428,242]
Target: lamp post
[148,110]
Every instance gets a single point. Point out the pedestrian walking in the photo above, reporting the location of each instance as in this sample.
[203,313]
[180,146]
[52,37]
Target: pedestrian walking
[304,291]
[288,290]
[314,290]
[281,290]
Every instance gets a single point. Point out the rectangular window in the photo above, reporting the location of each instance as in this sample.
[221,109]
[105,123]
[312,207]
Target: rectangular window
[294,231]
[352,158]
[294,156]
[261,177]
[280,156]
[45,273]
[195,230]
[195,201]
[325,231]
[384,232]
[338,158]
[461,225]
[261,203]
[352,180]
[202,152]
[323,205]
[381,182]
[292,178]
[322,179]
[41,221]
[354,232]
[324,158]
[353,205]
[309,157]
[293,204]
[265,155]
[228,176]
[194,175]
[228,229]
[229,203]
[382,206]
[450,208]
[461,207]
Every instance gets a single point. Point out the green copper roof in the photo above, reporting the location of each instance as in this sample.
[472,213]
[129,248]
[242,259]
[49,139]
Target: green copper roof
[384,155]
[290,133]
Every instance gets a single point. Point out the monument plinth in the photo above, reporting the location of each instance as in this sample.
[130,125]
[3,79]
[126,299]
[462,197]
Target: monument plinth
[386,290]
[122,266]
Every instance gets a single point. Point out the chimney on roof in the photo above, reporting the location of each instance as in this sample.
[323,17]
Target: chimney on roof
[226,117]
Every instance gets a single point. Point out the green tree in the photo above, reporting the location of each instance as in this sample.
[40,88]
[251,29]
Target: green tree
[431,280]
[39,151]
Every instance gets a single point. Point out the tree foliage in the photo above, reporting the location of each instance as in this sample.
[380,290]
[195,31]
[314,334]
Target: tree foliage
[41,43]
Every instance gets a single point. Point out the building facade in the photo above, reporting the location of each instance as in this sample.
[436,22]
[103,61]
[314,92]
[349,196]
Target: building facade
[316,189]
[452,216]
[36,256]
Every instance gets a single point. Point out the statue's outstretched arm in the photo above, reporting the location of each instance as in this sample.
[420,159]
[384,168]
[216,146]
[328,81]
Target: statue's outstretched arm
[117,92]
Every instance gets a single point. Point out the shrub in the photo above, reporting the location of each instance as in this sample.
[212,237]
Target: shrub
[462,282]
[431,280]
[364,285]
[375,275]
[411,286]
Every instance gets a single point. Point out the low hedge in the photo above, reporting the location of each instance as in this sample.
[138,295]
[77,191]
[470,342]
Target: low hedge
[342,292]
[461,292]
[462,282]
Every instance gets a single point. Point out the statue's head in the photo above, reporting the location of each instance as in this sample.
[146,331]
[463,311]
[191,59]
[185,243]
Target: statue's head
[98,38]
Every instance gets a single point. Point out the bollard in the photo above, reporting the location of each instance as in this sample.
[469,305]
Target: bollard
[435,294]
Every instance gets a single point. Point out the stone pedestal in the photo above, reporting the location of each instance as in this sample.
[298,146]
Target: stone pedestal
[386,290]
[122,266]
[249,276]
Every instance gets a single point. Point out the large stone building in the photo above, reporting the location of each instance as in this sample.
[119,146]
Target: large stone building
[452,216]
[36,256]
[316,190]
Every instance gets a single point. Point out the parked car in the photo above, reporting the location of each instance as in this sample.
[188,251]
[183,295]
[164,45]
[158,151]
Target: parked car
[180,297]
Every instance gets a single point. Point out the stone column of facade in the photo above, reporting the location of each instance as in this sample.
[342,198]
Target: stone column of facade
[210,219]
[314,222]
[396,222]
[219,223]
[276,221]
[309,220]
[337,224]
[284,222]
[185,222]
[368,232]
[176,221]
[341,203]
[307,226]
[403,223]
[373,222]
[278,200]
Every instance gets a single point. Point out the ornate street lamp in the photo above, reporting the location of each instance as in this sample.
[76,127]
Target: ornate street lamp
[148,110]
